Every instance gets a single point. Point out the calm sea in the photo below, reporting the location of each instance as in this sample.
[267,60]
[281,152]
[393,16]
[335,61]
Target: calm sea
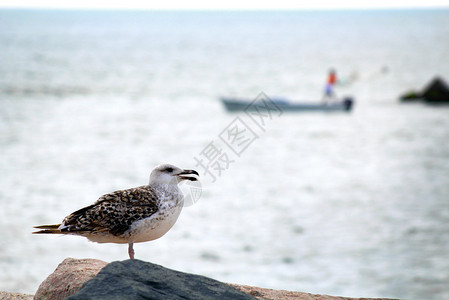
[343,204]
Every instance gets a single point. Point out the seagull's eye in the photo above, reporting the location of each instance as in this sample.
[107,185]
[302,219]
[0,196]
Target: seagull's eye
[169,170]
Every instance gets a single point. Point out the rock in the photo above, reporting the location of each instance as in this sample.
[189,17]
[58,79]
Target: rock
[436,92]
[136,279]
[68,278]
[411,96]
[269,294]
[14,296]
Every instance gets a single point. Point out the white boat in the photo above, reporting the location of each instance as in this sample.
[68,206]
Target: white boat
[236,104]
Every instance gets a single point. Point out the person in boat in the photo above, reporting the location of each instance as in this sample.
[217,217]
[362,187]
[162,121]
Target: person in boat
[329,93]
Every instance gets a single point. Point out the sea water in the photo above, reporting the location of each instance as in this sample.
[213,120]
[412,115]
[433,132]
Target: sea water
[352,204]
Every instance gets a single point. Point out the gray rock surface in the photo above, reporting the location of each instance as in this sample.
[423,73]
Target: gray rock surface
[136,279]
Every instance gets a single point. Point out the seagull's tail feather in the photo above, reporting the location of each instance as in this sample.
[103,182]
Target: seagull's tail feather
[48,229]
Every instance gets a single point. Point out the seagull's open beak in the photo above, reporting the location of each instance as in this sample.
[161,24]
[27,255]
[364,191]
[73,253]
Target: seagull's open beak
[189,175]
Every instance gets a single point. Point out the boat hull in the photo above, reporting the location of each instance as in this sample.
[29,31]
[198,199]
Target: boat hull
[236,105]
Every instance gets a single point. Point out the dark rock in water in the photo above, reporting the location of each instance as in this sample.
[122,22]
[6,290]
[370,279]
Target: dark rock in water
[411,96]
[136,279]
[436,92]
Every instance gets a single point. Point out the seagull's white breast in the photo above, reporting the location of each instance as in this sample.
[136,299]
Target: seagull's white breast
[154,226]
[158,224]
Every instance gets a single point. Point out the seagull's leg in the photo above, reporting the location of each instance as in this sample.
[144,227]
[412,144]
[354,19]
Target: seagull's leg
[131,250]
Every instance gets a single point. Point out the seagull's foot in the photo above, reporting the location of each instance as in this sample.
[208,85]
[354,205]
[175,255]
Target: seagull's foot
[131,250]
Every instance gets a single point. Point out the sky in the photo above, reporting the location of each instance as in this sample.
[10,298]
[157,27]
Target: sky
[228,4]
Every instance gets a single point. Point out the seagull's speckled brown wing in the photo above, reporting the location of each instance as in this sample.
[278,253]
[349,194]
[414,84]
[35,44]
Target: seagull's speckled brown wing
[113,213]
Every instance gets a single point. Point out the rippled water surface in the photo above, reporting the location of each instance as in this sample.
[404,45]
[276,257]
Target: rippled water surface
[344,204]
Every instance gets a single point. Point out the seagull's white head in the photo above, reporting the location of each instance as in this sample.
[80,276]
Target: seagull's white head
[169,174]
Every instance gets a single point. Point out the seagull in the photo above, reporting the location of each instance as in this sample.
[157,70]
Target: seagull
[134,215]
